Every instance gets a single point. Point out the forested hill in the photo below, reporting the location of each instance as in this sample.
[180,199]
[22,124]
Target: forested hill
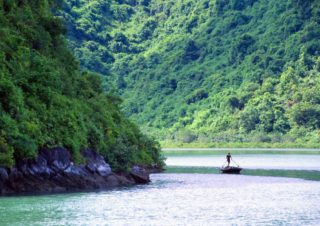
[220,70]
[45,101]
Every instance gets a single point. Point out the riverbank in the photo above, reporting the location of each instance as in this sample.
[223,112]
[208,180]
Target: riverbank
[53,171]
[170,144]
[238,151]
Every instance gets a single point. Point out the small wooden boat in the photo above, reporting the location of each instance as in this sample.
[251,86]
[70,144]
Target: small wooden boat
[231,170]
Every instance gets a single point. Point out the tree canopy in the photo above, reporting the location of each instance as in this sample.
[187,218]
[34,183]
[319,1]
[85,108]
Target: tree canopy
[46,101]
[219,69]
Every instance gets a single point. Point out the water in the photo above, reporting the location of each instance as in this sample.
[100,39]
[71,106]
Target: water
[251,161]
[192,194]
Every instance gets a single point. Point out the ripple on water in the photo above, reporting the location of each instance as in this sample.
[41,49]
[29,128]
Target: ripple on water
[176,199]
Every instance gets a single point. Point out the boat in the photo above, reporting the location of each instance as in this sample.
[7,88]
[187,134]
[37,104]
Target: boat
[231,170]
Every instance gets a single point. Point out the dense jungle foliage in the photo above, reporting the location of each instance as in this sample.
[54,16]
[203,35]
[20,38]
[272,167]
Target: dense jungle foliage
[45,101]
[207,70]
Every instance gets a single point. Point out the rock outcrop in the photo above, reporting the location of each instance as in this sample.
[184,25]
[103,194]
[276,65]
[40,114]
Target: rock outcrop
[140,175]
[54,171]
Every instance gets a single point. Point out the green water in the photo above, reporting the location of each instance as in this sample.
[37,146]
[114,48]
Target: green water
[292,163]
[273,189]
[303,174]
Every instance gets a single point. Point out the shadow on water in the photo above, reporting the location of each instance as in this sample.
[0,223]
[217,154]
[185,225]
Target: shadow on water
[302,174]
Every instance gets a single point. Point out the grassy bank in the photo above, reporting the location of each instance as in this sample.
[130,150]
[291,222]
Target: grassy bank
[170,144]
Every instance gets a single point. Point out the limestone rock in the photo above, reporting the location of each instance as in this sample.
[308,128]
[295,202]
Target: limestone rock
[140,175]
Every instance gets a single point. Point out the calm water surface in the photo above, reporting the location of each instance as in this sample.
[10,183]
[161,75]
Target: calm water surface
[185,196]
[251,161]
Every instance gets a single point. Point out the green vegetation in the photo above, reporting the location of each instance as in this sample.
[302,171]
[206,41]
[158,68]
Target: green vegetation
[238,151]
[45,101]
[251,144]
[239,71]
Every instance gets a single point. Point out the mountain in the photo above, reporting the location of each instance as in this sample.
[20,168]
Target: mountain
[46,101]
[207,71]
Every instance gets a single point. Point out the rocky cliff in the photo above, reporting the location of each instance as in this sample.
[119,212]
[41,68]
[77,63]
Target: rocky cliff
[53,171]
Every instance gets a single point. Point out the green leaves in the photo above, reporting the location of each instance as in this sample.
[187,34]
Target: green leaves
[306,115]
[11,97]
[6,154]
[220,69]
[45,101]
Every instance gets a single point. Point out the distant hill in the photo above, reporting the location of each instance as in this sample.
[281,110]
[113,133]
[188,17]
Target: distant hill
[208,71]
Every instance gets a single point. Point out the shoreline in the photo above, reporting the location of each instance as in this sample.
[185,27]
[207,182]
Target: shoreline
[238,151]
[242,149]
[233,145]
[53,171]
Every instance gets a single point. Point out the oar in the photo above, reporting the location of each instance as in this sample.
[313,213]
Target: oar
[235,163]
[223,164]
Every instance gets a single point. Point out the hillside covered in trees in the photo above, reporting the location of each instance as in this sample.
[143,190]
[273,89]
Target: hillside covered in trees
[45,101]
[208,71]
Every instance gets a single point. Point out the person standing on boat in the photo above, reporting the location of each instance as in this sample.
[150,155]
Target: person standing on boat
[228,158]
